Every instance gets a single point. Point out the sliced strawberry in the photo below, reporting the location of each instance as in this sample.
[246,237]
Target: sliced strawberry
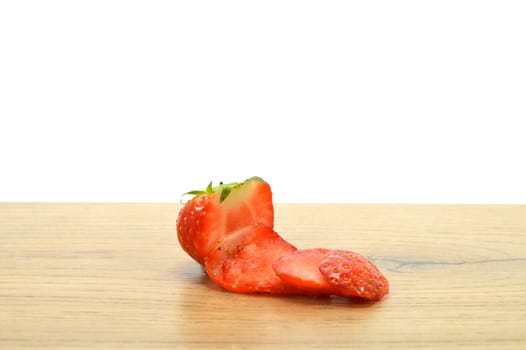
[229,246]
[219,211]
[229,229]
[242,262]
[249,270]
[353,275]
[301,270]
[338,272]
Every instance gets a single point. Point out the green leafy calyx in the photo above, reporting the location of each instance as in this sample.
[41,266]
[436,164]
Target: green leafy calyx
[222,189]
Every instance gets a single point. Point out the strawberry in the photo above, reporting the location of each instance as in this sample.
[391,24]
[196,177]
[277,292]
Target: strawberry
[229,229]
[228,247]
[219,211]
[250,270]
[242,262]
[353,275]
[301,270]
[338,272]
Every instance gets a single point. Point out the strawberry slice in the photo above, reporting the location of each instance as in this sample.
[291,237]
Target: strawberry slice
[338,272]
[301,270]
[228,247]
[215,213]
[353,275]
[242,262]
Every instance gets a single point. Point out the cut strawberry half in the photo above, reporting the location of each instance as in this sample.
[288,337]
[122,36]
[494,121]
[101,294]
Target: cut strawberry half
[242,263]
[213,214]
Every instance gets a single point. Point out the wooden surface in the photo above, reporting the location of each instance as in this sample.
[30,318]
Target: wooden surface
[113,276]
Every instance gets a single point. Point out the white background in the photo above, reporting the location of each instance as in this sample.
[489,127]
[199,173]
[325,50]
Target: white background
[329,101]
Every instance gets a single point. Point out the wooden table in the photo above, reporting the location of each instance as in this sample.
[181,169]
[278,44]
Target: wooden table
[113,276]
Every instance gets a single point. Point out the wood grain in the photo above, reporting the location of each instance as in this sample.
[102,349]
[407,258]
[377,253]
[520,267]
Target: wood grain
[84,276]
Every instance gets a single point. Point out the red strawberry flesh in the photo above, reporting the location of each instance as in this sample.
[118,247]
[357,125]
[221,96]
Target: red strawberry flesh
[228,247]
[249,270]
[242,262]
[301,270]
